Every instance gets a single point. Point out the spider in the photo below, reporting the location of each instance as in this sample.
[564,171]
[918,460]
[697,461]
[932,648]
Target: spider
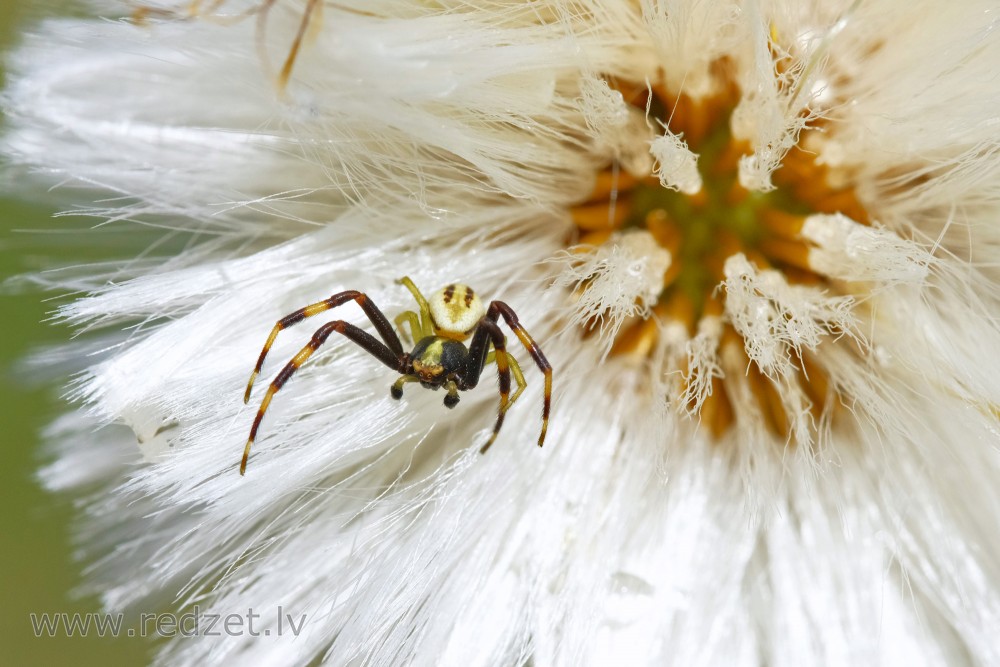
[438,359]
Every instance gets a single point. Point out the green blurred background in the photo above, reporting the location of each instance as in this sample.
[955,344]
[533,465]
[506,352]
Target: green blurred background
[37,561]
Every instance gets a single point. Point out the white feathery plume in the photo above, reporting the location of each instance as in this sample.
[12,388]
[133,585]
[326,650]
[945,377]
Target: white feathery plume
[677,166]
[797,462]
[622,279]
[778,320]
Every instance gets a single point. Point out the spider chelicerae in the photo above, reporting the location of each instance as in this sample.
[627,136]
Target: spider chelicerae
[439,358]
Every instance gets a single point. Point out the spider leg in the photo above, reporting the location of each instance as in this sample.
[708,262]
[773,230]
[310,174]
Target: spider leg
[515,370]
[488,332]
[367,342]
[411,318]
[501,309]
[451,400]
[426,328]
[397,387]
[382,325]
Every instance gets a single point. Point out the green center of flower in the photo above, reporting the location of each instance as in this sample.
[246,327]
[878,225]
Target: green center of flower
[721,217]
[703,229]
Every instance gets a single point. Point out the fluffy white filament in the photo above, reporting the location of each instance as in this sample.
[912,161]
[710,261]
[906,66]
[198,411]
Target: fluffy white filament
[677,166]
[702,363]
[445,141]
[619,280]
[616,125]
[779,321]
[850,251]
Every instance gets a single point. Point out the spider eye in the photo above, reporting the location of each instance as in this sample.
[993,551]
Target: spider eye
[456,309]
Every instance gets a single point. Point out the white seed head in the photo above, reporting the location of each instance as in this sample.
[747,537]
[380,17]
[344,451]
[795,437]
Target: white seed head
[414,136]
[456,310]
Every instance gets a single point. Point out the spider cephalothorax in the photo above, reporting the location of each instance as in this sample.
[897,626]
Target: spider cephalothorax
[439,357]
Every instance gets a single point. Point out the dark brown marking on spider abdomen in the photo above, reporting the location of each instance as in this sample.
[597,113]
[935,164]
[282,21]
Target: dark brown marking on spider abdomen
[469,295]
[449,293]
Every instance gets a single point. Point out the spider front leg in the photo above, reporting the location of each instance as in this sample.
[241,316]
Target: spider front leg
[451,399]
[488,332]
[385,330]
[367,342]
[396,391]
[501,309]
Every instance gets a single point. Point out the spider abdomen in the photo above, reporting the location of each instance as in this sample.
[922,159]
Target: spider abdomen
[436,359]
[455,311]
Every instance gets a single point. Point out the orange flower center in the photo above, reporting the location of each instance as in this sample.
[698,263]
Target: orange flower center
[703,229]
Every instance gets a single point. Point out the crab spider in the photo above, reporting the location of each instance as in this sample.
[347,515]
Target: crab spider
[439,357]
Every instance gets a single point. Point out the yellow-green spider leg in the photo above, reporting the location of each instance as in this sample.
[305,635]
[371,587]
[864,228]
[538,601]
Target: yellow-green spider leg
[411,318]
[451,400]
[426,327]
[397,386]
[515,370]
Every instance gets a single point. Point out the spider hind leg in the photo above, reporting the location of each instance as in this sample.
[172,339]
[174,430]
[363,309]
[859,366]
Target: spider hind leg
[488,332]
[501,309]
[382,326]
[365,340]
